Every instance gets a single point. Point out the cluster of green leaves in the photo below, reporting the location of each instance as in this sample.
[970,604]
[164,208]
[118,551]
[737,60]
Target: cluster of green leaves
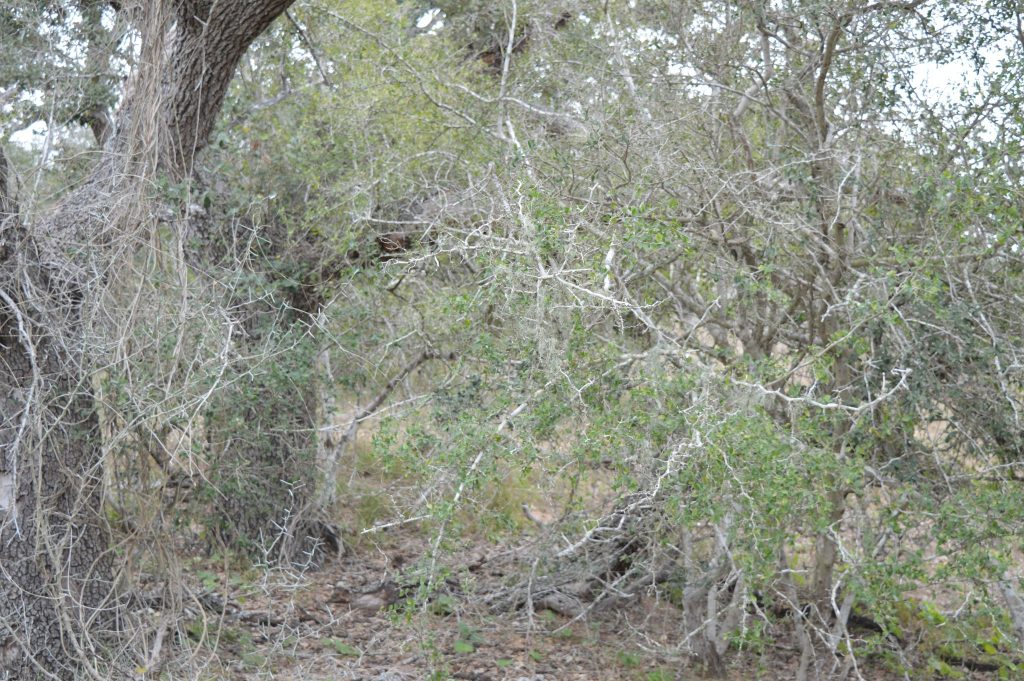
[261,447]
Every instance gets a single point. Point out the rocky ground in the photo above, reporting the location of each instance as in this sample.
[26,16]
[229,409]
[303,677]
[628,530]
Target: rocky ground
[351,620]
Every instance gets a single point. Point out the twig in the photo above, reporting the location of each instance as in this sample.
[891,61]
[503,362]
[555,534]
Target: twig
[309,47]
[904,374]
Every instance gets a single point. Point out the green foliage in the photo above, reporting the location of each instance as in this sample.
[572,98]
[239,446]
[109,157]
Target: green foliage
[660,675]
[75,63]
[341,648]
[262,466]
[628,659]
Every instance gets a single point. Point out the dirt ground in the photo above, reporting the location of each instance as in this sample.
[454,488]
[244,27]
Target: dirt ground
[327,625]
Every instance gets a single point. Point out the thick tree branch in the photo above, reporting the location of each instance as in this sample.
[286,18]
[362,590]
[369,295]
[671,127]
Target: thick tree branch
[762,78]
[819,86]
[209,41]
[7,206]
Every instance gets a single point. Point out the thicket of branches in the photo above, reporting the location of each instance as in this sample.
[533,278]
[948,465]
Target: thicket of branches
[723,280]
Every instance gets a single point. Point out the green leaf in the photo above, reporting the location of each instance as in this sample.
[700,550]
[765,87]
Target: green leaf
[342,648]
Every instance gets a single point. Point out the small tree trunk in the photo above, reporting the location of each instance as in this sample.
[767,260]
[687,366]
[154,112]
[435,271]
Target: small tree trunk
[1014,605]
[8,209]
[699,617]
[826,553]
[703,620]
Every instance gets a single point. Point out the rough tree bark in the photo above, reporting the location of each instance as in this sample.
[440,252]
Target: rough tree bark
[56,566]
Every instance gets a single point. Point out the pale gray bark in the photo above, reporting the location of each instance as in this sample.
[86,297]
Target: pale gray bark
[8,206]
[1014,605]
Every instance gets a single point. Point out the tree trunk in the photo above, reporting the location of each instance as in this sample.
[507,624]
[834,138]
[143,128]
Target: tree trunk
[7,207]
[826,554]
[56,566]
[56,581]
